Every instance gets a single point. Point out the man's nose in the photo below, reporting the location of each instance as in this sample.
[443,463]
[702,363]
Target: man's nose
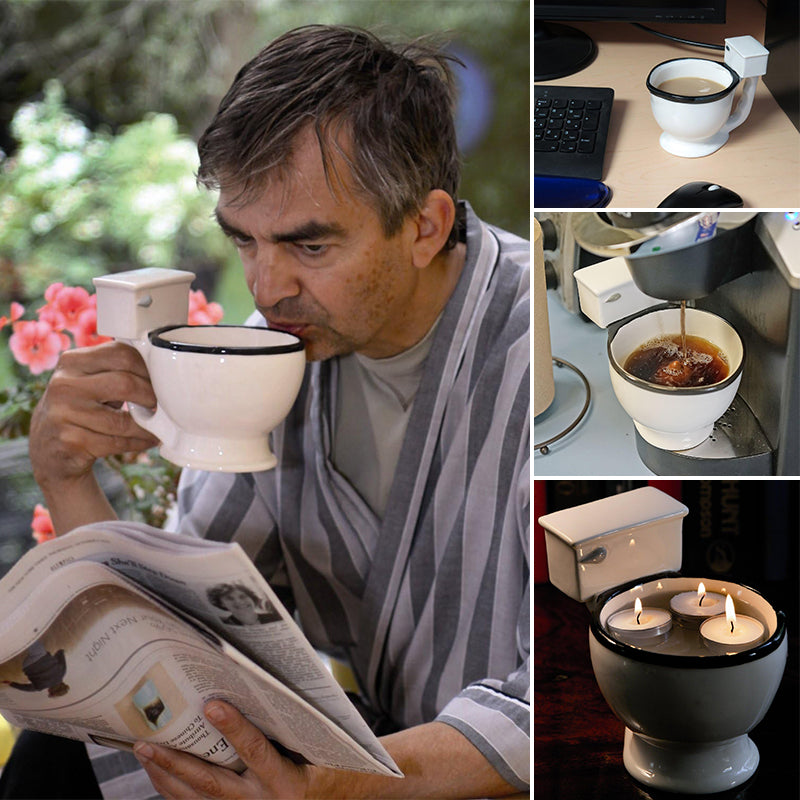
[274,277]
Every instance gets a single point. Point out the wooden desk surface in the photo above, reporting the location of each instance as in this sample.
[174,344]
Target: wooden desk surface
[577,750]
[760,161]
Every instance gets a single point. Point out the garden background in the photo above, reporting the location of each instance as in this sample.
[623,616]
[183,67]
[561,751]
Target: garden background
[101,103]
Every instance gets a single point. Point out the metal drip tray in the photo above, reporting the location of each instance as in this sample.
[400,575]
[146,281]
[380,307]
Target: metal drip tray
[737,446]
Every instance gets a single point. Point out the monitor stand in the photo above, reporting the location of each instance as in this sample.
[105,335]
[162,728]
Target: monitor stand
[560,50]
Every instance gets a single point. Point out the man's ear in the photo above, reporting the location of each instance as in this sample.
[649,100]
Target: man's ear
[433,223]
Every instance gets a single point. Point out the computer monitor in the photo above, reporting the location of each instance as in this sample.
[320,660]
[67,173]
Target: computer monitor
[561,50]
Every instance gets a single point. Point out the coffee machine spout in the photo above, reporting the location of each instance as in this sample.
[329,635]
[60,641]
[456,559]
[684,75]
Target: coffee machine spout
[678,257]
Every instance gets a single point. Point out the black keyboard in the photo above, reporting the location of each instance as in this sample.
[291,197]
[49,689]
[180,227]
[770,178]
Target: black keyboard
[570,130]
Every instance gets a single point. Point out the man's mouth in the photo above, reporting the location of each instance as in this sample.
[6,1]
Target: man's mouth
[295,328]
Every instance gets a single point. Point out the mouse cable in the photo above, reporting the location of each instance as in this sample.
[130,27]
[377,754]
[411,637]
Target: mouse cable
[677,38]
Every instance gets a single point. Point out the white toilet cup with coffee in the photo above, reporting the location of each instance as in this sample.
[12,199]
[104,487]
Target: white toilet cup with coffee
[691,99]
[673,417]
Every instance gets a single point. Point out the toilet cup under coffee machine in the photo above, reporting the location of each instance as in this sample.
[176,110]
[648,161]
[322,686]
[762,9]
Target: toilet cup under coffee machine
[747,273]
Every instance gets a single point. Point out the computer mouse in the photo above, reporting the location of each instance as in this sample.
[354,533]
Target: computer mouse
[702,194]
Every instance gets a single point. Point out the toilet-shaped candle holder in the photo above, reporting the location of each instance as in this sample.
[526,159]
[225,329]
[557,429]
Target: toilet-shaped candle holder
[687,703]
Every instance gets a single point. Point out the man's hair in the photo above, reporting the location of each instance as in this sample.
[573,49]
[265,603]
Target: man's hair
[394,106]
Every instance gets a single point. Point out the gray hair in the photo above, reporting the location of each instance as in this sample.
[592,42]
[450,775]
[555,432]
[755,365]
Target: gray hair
[394,105]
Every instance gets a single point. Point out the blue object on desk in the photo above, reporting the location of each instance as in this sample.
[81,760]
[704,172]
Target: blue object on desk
[569,193]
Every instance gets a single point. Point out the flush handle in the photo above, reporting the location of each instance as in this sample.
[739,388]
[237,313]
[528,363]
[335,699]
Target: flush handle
[594,556]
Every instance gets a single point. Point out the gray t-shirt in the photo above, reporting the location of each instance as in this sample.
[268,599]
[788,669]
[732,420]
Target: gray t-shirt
[375,399]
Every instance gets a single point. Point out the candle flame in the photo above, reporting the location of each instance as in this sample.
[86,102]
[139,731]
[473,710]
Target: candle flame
[730,614]
[637,607]
[701,593]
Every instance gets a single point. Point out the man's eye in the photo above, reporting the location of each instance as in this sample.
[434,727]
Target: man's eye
[240,241]
[313,249]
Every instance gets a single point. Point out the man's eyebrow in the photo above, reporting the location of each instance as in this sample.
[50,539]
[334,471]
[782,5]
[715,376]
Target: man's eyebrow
[227,228]
[310,231]
[306,231]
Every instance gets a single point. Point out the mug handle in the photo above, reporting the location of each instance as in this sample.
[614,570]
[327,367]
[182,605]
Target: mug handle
[156,421]
[743,106]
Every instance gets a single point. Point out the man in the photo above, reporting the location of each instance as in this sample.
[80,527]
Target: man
[397,518]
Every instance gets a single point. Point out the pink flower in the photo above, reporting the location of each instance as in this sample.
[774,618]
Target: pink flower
[52,316]
[85,332]
[51,292]
[65,304]
[201,312]
[17,310]
[35,344]
[42,525]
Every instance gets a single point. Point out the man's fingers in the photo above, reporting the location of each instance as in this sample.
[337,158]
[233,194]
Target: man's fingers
[95,428]
[99,445]
[274,775]
[178,775]
[164,768]
[81,416]
[248,741]
[109,387]
[109,356]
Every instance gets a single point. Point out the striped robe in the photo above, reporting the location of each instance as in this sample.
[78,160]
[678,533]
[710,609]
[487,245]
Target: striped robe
[430,604]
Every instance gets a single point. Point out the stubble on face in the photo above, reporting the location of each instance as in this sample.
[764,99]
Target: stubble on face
[358,299]
[368,302]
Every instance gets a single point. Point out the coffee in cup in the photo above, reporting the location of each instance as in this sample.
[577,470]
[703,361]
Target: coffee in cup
[691,87]
[678,361]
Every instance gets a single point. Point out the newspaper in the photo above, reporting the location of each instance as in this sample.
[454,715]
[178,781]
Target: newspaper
[118,632]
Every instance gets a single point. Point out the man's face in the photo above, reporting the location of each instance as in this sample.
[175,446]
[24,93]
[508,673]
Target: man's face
[318,264]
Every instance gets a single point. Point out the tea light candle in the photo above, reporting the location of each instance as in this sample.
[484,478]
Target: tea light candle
[639,623]
[731,633]
[694,607]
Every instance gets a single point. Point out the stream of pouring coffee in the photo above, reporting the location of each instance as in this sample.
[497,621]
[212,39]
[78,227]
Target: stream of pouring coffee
[683,353]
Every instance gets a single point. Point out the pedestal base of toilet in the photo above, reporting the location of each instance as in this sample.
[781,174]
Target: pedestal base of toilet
[689,767]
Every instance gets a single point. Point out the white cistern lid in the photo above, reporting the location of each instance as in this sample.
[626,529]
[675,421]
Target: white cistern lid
[609,542]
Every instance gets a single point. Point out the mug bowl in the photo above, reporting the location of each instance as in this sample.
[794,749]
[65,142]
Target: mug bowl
[670,417]
[692,125]
[687,716]
[221,390]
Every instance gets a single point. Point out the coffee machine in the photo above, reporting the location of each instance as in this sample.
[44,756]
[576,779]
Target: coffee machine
[747,272]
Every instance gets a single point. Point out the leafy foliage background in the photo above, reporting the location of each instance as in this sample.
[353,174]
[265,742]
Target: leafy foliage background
[101,103]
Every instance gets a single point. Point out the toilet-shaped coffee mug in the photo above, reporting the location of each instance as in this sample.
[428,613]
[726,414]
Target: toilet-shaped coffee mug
[691,99]
[221,389]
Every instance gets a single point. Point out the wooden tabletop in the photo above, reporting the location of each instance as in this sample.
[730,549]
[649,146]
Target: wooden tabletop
[760,161]
[577,750]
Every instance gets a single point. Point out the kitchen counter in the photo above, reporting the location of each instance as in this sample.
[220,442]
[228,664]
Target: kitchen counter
[604,443]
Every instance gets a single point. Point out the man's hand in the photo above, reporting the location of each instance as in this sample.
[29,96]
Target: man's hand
[79,419]
[268,774]
[436,759]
